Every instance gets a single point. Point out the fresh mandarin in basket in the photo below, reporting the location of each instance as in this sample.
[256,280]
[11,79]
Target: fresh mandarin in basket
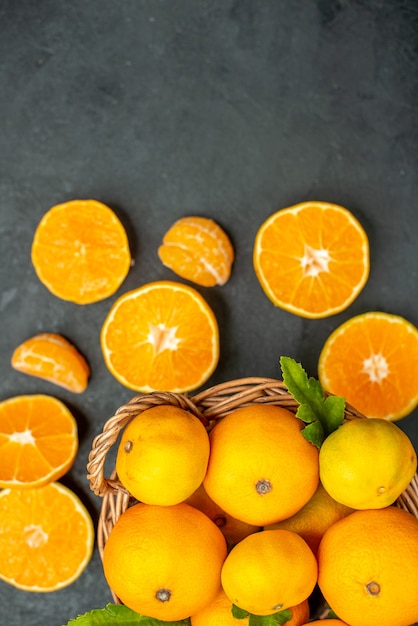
[314,518]
[269,571]
[368,568]
[199,250]
[312,259]
[46,537]
[367,463]
[163,455]
[38,440]
[219,613]
[80,251]
[162,336]
[164,561]
[233,529]
[261,468]
[53,358]
[372,361]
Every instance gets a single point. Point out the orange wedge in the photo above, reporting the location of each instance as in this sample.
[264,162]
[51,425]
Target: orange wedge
[38,441]
[312,259]
[372,360]
[80,251]
[199,250]
[53,358]
[46,537]
[161,336]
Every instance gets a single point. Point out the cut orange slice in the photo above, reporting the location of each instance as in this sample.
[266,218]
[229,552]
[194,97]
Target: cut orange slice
[38,440]
[312,259]
[53,358]
[80,251]
[199,250]
[46,537]
[372,360]
[162,336]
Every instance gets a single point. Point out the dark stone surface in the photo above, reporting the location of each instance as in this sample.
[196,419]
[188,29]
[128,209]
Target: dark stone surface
[230,109]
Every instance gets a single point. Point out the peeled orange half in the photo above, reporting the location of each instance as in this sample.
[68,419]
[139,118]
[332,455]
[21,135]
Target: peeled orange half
[162,336]
[80,251]
[312,259]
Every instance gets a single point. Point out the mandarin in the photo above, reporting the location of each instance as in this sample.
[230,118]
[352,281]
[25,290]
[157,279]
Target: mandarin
[367,463]
[53,358]
[368,568]
[312,259]
[164,561]
[199,250]
[80,251]
[38,440]
[46,537]
[162,336]
[269,571]
[261,468]
[372,360]
[163,455]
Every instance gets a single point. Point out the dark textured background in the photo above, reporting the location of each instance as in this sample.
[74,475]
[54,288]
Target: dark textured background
[230,109]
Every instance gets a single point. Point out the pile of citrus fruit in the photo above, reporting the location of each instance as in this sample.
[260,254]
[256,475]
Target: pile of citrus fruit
[246,520]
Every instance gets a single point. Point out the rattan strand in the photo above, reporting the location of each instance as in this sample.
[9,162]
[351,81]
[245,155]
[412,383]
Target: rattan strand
[209,406]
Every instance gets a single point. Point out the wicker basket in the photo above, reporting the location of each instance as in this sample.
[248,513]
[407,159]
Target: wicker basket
[209,406]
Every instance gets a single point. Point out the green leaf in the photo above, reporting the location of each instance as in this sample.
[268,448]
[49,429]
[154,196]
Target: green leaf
[119,615]
[239,613]
[270,620]
[322,414]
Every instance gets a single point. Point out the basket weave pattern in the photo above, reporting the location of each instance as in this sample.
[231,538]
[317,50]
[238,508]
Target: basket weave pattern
[209,406]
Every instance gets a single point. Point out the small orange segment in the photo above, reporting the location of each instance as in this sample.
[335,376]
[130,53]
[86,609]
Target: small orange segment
[372,360]
[162,336]
[38,441]
[199,250]
[46,537]
[312,259]
[53,358]
[80,251]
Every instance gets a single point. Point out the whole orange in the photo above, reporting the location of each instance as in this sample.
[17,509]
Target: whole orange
[164,561]
[269,571]
[261,468]
[313,519]
[367,463]
[163,455]
[368,568]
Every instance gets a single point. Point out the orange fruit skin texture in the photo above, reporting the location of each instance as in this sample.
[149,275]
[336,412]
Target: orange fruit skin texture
[163,455]
[219,613]
[174,553]
[80,251]
[312,259]
[261,468]
[372,361]
[38,441]
[367,463]
[51,357]
[199,250]
[233,529]
[269,571]
[313,519]
[330,622]
[162,336]
[368,568]
[46,537]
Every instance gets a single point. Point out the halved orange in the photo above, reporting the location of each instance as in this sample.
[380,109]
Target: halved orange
[199,250]
[46,537]
[80,251]
[312,259]
[53,358]
[162,336]
[372,360]
[38,440]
